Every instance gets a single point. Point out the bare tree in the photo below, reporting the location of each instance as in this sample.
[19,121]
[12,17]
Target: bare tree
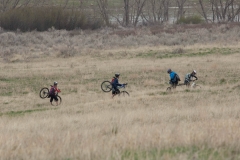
[38,2]
[4,4]
[132,11]
[138,8]
[166,4]
[204,14]
[225,10]
[103,7]
[234,11]
[163,11]
[180,5]
[157,11]
[126,12]
[11,4]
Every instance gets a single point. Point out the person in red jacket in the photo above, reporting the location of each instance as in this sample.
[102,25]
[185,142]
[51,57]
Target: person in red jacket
[53,93]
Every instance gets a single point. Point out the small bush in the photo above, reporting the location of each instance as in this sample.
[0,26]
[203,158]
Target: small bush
[222,81]
[190,20]
[178,51]
[43,18]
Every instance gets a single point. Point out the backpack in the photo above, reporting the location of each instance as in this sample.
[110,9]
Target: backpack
[176,78]
[112,80]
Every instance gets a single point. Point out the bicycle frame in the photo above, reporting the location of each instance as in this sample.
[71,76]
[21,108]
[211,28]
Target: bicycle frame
[122,92]
[194,85]
[174,86]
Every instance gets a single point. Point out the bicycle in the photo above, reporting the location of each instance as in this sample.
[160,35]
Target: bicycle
[44,93]
[106,86]
[193,85]
[122,93]
[169,89]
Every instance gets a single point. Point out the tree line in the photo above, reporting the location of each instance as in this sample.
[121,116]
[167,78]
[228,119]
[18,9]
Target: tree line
[134,12]
[161,11]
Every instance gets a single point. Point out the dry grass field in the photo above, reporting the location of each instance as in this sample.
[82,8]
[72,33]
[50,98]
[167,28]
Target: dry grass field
[150,124]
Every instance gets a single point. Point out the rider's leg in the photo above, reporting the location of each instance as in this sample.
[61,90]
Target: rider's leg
[174,84]
[56,99]
[113,92]
[51,99]
[187,83]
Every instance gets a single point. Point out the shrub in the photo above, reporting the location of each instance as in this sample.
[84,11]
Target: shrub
[178,51]
[190,20]
[43,18]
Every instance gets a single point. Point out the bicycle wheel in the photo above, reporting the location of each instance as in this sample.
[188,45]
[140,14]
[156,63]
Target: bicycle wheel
[106,86]
[54,103]
[196,86]
[124,94]
[44,93]
[169,89]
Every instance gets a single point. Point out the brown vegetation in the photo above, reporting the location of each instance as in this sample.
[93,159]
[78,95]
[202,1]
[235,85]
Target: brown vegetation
[18,46]
[150,124]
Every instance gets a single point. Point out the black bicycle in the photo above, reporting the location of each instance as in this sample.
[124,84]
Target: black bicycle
[106,86]
[169,89]
[44,93]
[191,84]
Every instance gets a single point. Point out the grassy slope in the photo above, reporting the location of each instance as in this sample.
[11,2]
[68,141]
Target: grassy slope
[186,124]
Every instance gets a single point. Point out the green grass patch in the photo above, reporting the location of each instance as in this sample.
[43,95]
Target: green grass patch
[195,19]
[163,93]
[5,80]
[5,102]
[186,53]
[189,153]
[23,112]
[6,93]
[223,81]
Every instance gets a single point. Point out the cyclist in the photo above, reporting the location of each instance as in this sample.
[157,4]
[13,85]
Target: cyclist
[189,77]
[52,93]
[174,78]
[115,85]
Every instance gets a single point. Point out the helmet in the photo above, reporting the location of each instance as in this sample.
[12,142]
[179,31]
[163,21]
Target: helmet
[55,83]
[117,74]
[194,71]
[169,71]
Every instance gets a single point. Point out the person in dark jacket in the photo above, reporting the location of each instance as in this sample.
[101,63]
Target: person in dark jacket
[115,85]
[52,93]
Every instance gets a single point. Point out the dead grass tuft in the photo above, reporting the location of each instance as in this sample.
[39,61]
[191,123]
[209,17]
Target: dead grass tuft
[124,33]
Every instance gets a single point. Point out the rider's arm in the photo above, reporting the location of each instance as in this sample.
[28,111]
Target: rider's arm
[118,84]
[58,90]
[195,77]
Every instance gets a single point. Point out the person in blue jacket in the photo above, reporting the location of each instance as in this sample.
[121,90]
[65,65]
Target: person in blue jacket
[115,85]
[174,78]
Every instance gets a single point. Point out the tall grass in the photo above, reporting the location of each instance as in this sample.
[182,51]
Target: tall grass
[151,124]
